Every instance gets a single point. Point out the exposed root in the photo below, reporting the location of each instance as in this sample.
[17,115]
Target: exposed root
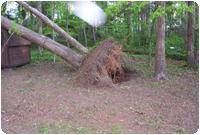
[103,66]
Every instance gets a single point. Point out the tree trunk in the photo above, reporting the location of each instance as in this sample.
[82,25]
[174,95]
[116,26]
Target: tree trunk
[67,20]
[150,28]
[53,32]
[190,37]
[94,34]
[39,7]
[160,64]
[54,26]
[67,54]
[129,23]
[196,34]
[85,36]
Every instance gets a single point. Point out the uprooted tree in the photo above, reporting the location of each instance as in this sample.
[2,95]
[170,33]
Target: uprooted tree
[101,67]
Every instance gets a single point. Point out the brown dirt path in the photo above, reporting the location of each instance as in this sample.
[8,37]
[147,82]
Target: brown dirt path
[39,98]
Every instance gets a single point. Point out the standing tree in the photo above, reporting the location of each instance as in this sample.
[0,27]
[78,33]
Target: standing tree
[94,34]
[67,19]
[129,22]
[196,34]
[85,35]
[190,37]
[39,7]
[160,64]
[53,32]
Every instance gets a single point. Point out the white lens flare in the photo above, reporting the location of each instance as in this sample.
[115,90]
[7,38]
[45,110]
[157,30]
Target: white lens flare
[90,12]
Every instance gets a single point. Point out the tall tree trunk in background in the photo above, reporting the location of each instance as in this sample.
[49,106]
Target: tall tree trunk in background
[39,7]
[150,28]
[54,26]
[53,32]
[85,36]
[94,34]
[160,62]
[66,53]
[190,37]
[129,23]
[67,20]
[196,34]
[79,30]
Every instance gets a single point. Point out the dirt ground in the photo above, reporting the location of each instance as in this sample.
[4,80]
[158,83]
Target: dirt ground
[40,98]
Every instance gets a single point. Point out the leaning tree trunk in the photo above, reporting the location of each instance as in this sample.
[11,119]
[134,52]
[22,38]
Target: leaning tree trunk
[69,55]
[54,26]
[190,35]
[160,65]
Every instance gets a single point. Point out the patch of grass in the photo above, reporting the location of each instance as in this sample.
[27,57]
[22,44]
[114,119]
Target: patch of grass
[44,130]
[180,130]
[140,56]
[157,121]
[64,128]
[81,130]
[89,114]
[179,67]
[24,90]
[113,114]
[141,67]
[29,81]
[61,108]
[116,129]
[44,95]
[46,56]
[46,81]
[154,85]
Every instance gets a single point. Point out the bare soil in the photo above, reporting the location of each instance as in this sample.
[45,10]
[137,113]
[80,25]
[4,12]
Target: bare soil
[41,98]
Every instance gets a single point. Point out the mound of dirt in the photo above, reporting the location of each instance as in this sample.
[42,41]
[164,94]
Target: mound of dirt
[103,66]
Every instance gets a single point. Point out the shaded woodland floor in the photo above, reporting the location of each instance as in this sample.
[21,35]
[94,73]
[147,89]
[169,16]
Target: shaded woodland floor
[40,98]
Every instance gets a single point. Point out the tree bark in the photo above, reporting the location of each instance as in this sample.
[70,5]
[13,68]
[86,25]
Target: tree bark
[53,32]
[67,54]
[190,37]
[67,19]
[129,23]
[85,36]
[196,34]
[160,65]
[39,7]
[94,34]
[54,26]
[150,28]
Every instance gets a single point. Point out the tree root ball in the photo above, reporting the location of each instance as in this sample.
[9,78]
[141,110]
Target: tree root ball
[103,66]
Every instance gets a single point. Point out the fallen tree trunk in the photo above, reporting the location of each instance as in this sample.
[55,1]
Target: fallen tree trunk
[102,67]
[54,26]
[66,53]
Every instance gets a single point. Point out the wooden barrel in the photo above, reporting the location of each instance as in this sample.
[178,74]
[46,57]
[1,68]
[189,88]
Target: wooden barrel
[16,52]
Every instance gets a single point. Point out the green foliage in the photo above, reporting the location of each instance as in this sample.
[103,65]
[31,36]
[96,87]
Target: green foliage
[175,46]
[14,29]
[140,34]
[46,56]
